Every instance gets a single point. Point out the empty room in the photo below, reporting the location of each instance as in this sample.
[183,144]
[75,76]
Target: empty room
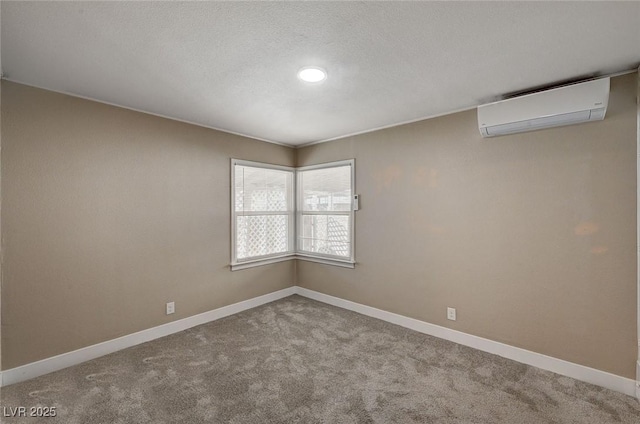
[319,212]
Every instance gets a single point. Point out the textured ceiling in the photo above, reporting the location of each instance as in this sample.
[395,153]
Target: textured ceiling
[233,65]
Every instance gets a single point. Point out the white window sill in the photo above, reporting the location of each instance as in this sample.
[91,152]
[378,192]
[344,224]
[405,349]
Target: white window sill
[260,262]
[327,261]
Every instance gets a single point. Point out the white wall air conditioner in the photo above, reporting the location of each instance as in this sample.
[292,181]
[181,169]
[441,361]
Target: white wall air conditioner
[572,104]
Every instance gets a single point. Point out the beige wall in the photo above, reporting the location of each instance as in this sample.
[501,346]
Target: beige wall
[531,237]
[638,240]
[107,215]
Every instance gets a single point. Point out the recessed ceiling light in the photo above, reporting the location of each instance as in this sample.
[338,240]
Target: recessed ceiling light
[312,74]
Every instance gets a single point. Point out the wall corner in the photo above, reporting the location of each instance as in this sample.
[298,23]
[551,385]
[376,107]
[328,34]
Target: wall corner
[638,226]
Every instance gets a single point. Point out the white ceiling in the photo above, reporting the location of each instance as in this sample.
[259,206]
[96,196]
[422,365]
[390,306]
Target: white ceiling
[233,65]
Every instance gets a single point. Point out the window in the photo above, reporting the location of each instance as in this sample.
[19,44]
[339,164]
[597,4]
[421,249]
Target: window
[262,213]
[271,223]
[325,212]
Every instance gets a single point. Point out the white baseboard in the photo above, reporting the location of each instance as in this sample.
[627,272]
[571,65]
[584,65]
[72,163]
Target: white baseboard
[638,378]
[55,363]
[559,366]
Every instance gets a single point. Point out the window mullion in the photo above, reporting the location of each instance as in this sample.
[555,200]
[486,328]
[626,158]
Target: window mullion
[261,213]
[344,213]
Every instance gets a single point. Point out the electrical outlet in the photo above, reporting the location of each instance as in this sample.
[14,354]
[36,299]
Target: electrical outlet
[171,308]
[451,314]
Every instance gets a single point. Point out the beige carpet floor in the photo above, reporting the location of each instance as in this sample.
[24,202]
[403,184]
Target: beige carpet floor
[301,361]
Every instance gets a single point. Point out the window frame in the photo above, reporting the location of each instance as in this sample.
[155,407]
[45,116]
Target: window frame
[291,213]
[320,257]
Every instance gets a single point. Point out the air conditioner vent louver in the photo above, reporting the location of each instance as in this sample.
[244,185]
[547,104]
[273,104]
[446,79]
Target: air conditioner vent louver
[568,105]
